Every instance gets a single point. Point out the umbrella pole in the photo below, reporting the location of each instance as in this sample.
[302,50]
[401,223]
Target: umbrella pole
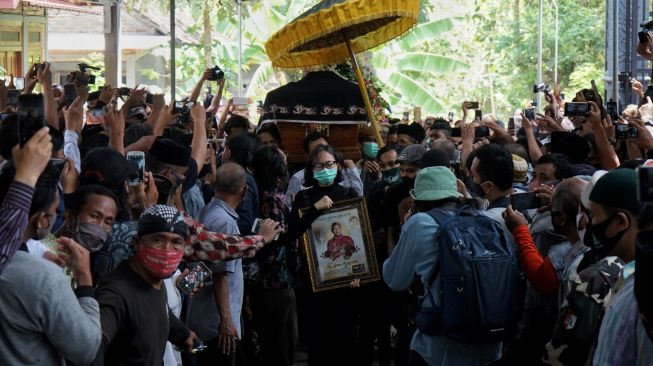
[366,98]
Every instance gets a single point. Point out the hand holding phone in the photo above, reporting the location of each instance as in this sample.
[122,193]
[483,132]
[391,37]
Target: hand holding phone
[525,201]
[257,227]
[194,278]
[138,157]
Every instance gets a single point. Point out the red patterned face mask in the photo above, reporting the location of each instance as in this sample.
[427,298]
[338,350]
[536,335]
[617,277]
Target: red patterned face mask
[161,262]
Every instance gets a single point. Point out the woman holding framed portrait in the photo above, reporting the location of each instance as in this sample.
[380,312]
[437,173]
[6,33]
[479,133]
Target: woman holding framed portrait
[329,315]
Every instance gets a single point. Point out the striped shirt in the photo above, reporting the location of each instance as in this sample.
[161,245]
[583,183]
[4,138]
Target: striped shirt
[13,220]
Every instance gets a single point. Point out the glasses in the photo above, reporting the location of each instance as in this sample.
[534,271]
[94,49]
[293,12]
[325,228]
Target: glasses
[327,164]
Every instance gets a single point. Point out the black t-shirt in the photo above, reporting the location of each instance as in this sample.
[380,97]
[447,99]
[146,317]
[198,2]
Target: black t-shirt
[393,197]
[136,321]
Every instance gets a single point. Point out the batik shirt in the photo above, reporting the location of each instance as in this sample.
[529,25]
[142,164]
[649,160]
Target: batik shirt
[578,323]
[276,265]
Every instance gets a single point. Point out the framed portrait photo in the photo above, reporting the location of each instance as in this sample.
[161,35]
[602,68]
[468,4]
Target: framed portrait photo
[339,246]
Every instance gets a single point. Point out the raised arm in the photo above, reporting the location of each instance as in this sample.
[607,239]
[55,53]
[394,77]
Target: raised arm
[200,142]
[29,162]
[200,83]
[44,77]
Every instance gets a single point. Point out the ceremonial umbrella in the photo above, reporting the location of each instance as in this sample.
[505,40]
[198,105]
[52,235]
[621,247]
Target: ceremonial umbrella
[333,30]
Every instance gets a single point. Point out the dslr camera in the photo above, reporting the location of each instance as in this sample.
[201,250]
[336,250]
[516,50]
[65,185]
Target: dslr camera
[646,27]
[82,77]
[182,110]
[216,74]
[541,88]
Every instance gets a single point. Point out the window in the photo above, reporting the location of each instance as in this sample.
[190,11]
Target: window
[34,37]
[9,36]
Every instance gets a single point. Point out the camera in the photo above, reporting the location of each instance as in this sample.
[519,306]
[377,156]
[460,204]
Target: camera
[216,74]
[623,77]
[82,77]
[182,110]
[40,67]
[541,87]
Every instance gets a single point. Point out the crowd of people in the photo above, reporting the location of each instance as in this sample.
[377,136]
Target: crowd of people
[137,232]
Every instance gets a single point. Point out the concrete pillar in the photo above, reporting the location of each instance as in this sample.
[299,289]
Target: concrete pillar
[112,56]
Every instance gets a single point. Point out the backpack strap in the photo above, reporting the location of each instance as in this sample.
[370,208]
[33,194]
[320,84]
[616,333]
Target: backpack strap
[442,218]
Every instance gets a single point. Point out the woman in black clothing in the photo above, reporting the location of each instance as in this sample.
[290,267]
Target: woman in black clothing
[329,315]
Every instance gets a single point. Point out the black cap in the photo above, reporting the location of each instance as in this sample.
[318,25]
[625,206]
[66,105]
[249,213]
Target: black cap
[413,130]
[434,158]
[570,144]
[411,154]
[106,167]
[170,151]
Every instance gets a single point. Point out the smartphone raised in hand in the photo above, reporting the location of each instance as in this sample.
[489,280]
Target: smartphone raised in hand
[138,157]
[257,226]
[30,115]
[195,277]
[577,109]
[525,201]
[623,132]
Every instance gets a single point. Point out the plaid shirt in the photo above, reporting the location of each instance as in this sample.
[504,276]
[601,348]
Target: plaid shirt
[203,245]
[13,220]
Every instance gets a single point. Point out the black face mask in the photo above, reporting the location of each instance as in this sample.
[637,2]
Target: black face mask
[644,278]
[476,189]
[596,239]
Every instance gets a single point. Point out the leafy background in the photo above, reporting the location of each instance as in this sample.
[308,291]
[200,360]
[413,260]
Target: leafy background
[483,50]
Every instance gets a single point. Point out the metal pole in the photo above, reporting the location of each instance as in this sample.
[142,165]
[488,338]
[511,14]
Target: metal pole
[240,48]
[173,70]
[539,54]
[555,54]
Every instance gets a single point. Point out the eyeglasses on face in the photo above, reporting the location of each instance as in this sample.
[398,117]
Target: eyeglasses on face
[327,164]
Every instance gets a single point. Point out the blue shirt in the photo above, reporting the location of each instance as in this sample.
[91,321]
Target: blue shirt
[415,254]
[622,338]
[203,317]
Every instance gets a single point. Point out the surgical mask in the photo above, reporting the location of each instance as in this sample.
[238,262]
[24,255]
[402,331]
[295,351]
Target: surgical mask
[581,233]
[160,262]
[391,175]
[325,176]
[370,149]
[91,236]
[596,238]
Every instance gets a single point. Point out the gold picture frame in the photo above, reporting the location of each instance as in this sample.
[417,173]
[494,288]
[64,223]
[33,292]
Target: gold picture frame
[340,247]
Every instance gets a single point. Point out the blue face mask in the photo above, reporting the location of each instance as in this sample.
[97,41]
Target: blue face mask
[370,149]
[325,176]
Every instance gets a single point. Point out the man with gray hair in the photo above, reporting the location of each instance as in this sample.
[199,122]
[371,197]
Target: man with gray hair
[547,275]
[214,312]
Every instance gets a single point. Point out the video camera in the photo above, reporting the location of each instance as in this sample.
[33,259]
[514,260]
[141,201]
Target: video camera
[82,77]
[541,88]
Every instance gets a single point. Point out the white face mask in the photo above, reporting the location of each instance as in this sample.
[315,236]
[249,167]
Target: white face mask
[579,217]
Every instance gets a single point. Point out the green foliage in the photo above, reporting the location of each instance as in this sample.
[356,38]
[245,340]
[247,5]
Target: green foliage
[483,50]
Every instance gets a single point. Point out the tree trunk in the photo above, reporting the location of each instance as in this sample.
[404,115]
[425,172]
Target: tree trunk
[206,35]
[516,15]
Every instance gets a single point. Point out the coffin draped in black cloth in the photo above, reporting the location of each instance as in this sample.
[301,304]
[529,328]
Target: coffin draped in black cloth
[320,97]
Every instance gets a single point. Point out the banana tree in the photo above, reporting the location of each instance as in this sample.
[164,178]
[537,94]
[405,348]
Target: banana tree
[403,67]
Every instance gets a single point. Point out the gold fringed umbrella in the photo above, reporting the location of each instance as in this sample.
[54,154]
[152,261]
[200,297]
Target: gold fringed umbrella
[333,30]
